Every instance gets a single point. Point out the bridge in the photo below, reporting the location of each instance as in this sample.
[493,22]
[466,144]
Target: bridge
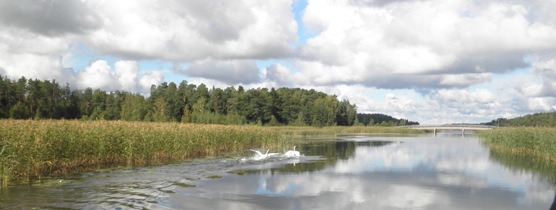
[463,128]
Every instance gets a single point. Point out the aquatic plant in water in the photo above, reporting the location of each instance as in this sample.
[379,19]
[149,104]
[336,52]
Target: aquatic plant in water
[31,150]
[535,141]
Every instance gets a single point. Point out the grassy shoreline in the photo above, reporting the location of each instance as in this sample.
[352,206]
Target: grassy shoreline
[539,142]
[334,131]
[31,150]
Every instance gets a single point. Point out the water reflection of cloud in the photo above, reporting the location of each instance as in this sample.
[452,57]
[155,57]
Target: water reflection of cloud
[411,175]
[376,190]
[404,157]
[453,165]
[453,157]
[406,196]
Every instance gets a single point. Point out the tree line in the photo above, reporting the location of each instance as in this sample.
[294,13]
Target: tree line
[382,120]
[170,102]
[545,119]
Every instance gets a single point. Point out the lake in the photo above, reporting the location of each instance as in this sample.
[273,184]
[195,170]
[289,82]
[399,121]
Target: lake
[446,171]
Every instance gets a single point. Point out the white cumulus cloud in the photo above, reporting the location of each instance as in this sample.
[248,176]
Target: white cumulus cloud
[441,60]
[126,72]
[124,76]
[98,75]
[419,43]
[150,78]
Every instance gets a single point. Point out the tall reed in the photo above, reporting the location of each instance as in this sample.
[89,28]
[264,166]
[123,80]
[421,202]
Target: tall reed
[536,141]
[333,131]
[30,149]
[376,129]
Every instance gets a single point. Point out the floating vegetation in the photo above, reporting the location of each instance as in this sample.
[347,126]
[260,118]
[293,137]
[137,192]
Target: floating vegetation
[31,150]
[183,185]
[238,172]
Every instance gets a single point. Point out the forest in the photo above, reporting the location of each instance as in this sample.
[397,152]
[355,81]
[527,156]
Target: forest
[184,102]
[170,102]
[546,119]
[382,120]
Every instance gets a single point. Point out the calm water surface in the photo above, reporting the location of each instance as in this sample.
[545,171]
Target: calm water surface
[357,172]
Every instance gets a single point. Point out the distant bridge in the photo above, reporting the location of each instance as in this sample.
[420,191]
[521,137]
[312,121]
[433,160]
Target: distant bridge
[463,128]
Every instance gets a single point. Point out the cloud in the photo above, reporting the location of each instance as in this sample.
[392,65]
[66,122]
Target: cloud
[126,72]
[44,67]
[31,55]
[378,2]
[97,76]
[43,33]
[195,30]
[124,77]
[150,78]
[228,71]
[544,83]
[51,17]
[419,50]
[279,74]
[419,44]
[437,107]
[536,90]
[544,104]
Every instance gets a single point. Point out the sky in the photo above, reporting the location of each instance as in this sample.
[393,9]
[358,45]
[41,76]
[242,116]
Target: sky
[431,61]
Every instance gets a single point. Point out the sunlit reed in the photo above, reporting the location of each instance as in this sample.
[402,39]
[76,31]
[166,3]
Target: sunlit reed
[31,149]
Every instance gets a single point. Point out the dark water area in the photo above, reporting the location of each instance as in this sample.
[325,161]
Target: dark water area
[352,172]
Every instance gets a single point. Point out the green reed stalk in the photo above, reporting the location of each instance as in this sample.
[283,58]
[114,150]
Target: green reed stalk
[536,141]
[333,131]
[34,149]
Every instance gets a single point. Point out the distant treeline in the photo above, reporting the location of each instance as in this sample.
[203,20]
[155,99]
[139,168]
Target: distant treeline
[382,120]
[547,119]
[170,102]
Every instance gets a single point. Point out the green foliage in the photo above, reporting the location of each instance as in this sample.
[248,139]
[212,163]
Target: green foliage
[524,148]
[383,120]
[536,120]
[333,131]
[168,102]
[536,141]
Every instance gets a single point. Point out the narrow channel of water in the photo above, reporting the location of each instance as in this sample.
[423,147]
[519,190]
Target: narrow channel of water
[352,172]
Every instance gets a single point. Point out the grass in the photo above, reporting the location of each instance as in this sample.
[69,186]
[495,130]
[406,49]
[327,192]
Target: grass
[377,130]
[333,131]
[31,150]
[532,141]
[524,149]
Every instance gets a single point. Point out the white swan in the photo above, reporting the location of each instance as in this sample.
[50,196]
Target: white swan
[292,153]
[260,155]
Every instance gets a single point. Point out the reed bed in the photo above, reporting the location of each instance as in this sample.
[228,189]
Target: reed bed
[377,130]
[31,149]
[292,132]
[333,131]
[534,141]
